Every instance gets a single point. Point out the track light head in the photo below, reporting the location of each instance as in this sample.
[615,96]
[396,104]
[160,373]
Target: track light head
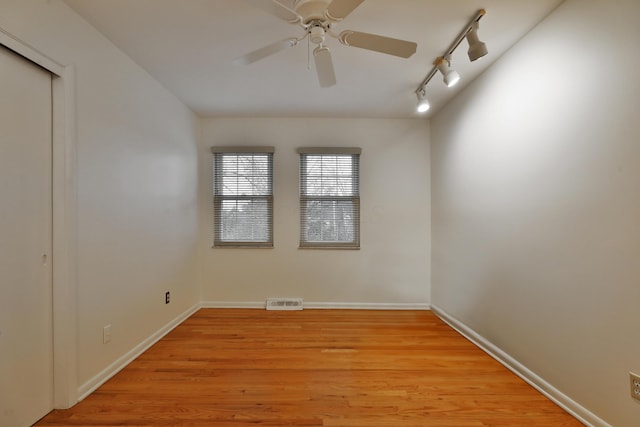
[449,76]
[477,49]
[423,103]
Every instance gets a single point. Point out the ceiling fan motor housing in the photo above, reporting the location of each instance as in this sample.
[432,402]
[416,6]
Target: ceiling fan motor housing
[312,10]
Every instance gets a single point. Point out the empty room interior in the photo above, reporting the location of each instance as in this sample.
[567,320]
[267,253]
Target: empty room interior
[509,211]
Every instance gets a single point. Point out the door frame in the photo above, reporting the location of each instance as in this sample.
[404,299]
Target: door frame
[64,227]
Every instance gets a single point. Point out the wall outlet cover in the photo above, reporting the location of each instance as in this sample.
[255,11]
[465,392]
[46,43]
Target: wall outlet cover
[106,334]
[635,385]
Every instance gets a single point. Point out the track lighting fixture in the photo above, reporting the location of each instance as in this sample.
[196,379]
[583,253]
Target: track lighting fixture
[477,49]
[450,77]
[423,103]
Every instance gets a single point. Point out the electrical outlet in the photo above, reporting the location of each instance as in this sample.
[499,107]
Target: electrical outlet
[635,385]
[167,297]
[106,334]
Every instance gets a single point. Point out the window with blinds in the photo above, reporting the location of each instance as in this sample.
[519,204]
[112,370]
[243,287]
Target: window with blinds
[243,196]
[330,198]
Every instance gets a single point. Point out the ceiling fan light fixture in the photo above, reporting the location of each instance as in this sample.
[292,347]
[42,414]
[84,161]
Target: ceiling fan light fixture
[449,77]
[324,66]
[423,103]
[477,49]
[316,34]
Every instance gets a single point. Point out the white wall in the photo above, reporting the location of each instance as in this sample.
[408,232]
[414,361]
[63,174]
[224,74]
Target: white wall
[390,268]
[136,186]
[536,204]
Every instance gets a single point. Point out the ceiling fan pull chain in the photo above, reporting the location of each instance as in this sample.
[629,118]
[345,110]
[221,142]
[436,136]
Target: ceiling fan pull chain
[308,52]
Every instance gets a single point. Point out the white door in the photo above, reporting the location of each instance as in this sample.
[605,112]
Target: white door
[26,337]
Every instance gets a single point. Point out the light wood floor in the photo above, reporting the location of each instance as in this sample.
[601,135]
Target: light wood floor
[314,368]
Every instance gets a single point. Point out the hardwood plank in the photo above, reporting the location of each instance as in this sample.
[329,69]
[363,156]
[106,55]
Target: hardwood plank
[232,367]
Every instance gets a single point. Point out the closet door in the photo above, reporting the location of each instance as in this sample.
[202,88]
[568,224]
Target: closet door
[26,337]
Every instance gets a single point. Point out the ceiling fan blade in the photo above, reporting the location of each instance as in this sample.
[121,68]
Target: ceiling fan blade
[276,8]
[388,45]
[324,66]
[263,52]
[339,9]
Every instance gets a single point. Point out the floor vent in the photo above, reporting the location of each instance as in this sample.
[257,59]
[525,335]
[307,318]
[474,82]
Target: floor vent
[284,303]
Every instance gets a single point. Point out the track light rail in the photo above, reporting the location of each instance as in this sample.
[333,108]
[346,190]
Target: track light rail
[420,91]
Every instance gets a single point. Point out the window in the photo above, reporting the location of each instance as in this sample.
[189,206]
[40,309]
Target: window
[243,196]
[329,198]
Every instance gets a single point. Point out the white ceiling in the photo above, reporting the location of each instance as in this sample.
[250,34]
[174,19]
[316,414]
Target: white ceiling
[189,46]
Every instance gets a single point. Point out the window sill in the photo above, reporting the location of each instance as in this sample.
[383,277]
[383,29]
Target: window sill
[349,248]
[240,246]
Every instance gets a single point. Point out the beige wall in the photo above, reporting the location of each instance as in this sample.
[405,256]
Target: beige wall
[536,204]
[392,265]
[136,186]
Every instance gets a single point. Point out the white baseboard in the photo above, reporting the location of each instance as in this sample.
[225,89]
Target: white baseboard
[565,402]
[365,306]
[234,304]
[90,386]
[321,305]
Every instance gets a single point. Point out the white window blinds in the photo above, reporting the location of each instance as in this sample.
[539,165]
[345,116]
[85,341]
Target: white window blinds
[243,196]
[330,198]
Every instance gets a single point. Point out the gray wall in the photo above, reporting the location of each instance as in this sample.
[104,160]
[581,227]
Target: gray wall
[536,204]
[136,149]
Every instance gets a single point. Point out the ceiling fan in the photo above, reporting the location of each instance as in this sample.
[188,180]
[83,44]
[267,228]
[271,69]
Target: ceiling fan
[317,17]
